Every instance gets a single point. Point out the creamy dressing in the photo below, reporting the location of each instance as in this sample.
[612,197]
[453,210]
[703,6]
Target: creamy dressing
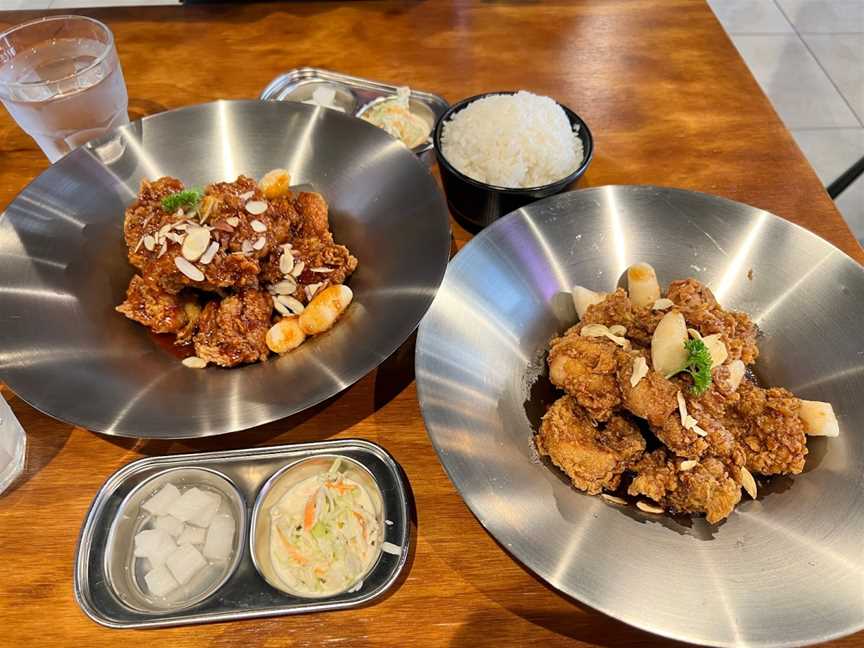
[394,116]
[324,534]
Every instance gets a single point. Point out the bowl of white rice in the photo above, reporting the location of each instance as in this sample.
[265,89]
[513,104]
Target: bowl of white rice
[500,151]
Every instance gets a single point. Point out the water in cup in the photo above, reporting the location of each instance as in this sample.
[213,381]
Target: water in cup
[13,443]
[65,85]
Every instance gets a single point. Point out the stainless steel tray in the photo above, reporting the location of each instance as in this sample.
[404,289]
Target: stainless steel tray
[353,94]
[245,594]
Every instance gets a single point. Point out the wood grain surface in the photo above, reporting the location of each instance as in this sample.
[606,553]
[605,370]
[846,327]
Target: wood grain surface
[670,103]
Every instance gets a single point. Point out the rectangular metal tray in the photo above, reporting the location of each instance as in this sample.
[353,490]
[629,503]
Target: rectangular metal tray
[299,84]
[246,594]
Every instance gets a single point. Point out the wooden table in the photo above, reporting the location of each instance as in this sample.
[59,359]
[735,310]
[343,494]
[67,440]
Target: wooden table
[670,103]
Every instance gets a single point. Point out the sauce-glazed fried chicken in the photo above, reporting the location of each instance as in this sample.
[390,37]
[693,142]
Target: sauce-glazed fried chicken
[669,373]
[707,486]
[593,456]
[245,247]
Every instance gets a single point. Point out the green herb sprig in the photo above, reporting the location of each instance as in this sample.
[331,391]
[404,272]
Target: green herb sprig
[698,365]
[185,198]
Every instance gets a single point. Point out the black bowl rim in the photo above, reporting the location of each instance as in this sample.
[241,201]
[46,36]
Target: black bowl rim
[587,141]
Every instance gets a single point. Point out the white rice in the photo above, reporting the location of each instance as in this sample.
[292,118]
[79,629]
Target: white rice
[521,140]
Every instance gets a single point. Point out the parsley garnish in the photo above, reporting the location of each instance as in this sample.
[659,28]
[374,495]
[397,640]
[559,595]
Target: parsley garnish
[698,365]
[185,198]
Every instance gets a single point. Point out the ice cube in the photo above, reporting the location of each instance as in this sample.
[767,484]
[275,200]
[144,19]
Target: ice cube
[185,562]
[162,501]
[192,535]
[155,545]
[160,581]
[193,503]
[170,525]
[220,538]
[204,518]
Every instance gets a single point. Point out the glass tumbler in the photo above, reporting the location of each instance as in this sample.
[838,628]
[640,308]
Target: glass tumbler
[60,79]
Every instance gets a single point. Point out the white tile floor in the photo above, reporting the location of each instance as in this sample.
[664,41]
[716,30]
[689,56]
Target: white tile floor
[808,56]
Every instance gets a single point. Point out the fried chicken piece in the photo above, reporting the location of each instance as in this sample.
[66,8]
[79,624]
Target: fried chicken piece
[586,369]
[314,219]
[592,457]
[147,210]
[769,430]
[232,331]
[618,309]
[709,487]
[324,264]
[701,310]
[653,398]
[149,305]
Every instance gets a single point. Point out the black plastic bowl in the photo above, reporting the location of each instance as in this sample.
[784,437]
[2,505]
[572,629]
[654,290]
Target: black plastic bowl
[477,204]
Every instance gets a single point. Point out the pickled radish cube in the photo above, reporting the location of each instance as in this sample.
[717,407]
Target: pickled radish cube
[220,538]
[155,545]
[161,501]
[194,502]
[206,515]
[160,581]
[170,525]
[192,535]
[185,562]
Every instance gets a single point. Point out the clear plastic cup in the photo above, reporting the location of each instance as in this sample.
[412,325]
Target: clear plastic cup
[13,446]
[60,79]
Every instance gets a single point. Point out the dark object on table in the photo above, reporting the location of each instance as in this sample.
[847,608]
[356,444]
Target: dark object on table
[476,204]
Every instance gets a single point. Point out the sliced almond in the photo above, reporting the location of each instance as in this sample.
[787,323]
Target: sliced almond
[648,508]
[311,289]
[328,270]
[233,221]
[181,227]
[615,329]
[246,247]
[689,464]
[696,335]
[594,330]
[285,287]
[194,362]
[223,226]
[298,269]
[188,269]
[612,499]
[260,243]
[640,370]
[279,306]
[256,207]
[163,250]
[294,305]
[207,257]
[175,238]
[716,348]
[286,262]
[257,225]
[682,407]
[662,304]
[246,195]
[149,243]
[138,245]
[205,209]
[748,482]
[196,243]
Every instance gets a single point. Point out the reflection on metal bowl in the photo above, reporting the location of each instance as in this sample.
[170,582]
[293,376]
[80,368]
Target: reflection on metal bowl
[64,268]
[783,570]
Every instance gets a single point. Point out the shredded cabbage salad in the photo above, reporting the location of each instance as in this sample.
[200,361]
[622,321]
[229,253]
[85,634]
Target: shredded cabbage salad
[325,535]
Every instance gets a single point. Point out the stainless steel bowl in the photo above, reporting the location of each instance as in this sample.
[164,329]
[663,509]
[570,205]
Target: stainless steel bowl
[787,569]
[277,486]
[63,269]
[125,572]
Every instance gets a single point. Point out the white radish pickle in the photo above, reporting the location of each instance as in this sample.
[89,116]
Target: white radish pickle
[819,419]
[668,354]
[583,298]
[642,285]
